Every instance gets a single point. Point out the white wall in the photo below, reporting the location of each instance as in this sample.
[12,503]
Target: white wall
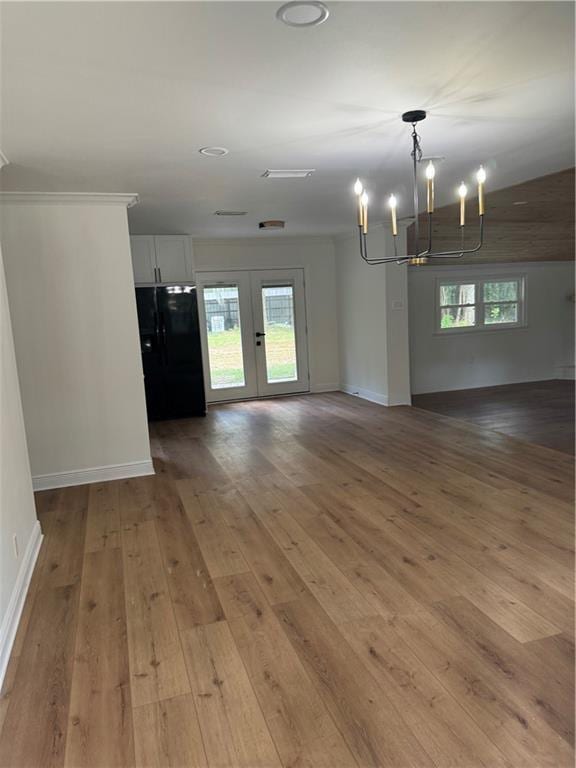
[71,293]
[316,256]
[17,512]
[373,321]
[543,350]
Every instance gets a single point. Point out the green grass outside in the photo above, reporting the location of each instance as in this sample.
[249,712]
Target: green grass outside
[225,352]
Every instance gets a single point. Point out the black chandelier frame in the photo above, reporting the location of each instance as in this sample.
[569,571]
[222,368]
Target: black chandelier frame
[418,258]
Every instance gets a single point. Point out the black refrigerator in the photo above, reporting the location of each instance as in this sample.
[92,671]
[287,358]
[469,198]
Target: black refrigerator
[171,351]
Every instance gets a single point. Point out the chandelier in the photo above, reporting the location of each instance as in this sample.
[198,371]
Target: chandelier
[414,117]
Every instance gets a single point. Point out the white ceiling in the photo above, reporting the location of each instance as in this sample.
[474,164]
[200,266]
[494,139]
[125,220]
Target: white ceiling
[119,97]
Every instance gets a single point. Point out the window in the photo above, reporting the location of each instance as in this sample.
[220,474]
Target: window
[480,304]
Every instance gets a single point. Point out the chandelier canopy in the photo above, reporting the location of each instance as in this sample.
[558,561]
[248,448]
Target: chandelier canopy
[420,257]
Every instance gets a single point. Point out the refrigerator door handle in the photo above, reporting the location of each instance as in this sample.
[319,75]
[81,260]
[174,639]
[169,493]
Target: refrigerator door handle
[163,336]
[157,330]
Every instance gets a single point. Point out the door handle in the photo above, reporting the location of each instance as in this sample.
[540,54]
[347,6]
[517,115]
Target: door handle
[258,334]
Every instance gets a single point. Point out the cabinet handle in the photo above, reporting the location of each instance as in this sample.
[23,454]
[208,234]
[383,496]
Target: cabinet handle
[159,275]
[155,275]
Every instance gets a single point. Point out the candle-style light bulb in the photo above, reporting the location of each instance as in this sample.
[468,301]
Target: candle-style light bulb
[358,191]
[481,178]
[462,192]
[392,202]
[364,206]
[430,173]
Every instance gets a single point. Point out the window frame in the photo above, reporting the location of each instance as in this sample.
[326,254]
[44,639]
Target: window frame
[479,304]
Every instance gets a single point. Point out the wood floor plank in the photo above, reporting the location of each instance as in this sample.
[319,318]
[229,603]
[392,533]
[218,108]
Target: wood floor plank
[191,588]
[103,518]
[167,734]
[217,542]
[42,684]
[301,727]
[277,578]
[231,722]
[100,715]
[157,669]
[546,696]
[65,545]
[372,727]
[334,592]
[481,687]
[449,735]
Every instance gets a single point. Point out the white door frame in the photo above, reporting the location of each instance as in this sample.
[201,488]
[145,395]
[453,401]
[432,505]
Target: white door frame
[250,282]
[294,277]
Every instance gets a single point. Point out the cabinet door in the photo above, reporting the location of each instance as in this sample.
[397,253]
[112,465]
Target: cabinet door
[143,259]
[173,258]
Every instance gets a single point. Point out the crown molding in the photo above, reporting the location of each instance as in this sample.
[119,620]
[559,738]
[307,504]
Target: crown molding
[127,199]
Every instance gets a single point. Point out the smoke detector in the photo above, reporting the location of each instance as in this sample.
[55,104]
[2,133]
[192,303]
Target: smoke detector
[272,224]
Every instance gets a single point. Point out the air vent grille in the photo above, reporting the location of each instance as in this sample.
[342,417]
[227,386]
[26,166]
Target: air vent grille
[288,173]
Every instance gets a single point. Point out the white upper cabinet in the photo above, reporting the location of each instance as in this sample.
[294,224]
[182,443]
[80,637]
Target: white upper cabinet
[143,259]
[173,258]
[161,259]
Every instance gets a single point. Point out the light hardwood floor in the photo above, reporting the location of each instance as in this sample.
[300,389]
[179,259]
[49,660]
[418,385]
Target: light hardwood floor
[313,582]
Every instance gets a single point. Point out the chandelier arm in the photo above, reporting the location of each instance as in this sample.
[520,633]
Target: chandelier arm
[461,252]
[364,251]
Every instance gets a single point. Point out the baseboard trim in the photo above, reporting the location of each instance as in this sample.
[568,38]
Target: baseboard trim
[566,372]
[17,598]
[93,475]
[365,394]
[433,389]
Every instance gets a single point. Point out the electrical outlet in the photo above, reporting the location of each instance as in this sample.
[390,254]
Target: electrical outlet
[15,543]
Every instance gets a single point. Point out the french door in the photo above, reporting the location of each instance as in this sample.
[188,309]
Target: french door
[253,328]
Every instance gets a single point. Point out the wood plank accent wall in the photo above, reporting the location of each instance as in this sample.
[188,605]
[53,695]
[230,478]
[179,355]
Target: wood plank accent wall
[542,229]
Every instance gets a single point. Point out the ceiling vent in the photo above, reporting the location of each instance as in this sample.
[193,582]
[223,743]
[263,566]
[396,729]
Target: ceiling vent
[230,213]
[272,224]
[288,174]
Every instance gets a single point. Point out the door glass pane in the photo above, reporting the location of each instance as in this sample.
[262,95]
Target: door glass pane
[500,313]
[222,312]
[278,306]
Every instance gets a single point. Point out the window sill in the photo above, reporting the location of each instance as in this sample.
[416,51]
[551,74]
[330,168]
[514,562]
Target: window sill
[481,329]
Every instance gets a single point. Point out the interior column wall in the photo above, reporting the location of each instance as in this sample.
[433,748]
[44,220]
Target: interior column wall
[373,321]
[72,301]
[19,529]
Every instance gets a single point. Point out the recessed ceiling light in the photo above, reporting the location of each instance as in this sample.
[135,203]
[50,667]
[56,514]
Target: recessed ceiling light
[302,173]
[303,13]
[214,151]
